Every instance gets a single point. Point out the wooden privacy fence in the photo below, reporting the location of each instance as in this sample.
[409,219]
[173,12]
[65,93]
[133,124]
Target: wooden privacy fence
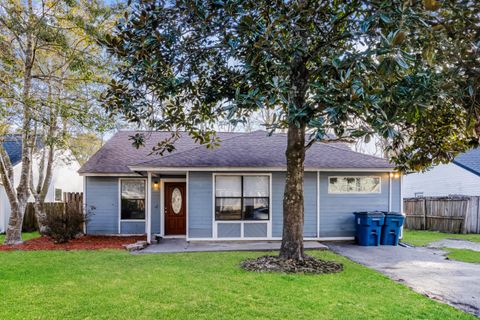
[72,201]
[454,214]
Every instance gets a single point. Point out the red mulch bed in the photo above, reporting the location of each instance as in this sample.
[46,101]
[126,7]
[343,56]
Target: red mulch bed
[81,243]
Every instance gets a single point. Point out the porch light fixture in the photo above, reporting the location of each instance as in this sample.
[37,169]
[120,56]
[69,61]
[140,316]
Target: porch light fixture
[156,186]
[395,175]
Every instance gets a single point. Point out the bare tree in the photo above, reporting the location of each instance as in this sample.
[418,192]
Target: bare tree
[27,47]
[63,71]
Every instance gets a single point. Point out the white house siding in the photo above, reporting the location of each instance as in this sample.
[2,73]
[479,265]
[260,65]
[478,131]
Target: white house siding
[442,180]
[64,177]
[3,209]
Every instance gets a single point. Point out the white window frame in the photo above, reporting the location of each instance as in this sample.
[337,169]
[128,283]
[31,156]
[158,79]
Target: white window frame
[120,220]
[354,192]
[242,222]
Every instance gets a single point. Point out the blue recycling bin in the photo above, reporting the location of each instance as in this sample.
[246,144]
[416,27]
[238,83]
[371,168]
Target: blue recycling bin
[368,227]
[391,228]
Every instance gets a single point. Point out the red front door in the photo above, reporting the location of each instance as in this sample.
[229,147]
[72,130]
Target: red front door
[175,211]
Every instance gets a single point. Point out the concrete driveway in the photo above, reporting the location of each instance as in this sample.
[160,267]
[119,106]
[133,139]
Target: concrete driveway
[425,270]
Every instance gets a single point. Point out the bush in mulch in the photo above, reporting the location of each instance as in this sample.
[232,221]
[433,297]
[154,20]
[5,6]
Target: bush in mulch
[81,243]
[65,224]
[276,264]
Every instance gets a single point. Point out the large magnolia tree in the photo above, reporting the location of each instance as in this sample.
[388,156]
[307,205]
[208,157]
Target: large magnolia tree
[331,70]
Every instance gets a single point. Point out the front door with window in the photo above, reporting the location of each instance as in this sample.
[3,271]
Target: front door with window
[175,211]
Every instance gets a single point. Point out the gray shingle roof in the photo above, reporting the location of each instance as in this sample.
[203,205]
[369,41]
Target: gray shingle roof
[118,153]
[469,160]
[255,150]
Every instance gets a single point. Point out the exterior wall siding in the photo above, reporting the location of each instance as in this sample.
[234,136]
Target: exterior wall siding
[396,194]
[278,187]
[102,200]
[101,196]
[442,180]
[200,206]
[4,208]
[310,203]
[155,225]
[132,227]
[336,210]
[336,218]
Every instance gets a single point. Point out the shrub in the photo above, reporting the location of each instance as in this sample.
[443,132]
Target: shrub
[65,223]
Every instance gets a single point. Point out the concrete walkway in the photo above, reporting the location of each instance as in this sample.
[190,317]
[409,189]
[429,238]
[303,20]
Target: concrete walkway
[425,270]
[456,244]
[180,245]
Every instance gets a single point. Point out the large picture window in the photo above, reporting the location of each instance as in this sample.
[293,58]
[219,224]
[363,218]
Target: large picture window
[354,184]
[133,199]
[242,197]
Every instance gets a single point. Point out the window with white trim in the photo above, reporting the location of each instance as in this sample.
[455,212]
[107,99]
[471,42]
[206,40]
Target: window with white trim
[132,199]
[242,197]
[362,184]
[58,194]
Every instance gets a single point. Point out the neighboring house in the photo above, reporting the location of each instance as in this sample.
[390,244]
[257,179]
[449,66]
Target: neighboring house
[460,177]
[232,192]
[65,177]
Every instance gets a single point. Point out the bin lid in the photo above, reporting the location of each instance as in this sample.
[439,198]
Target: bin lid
[361,212]
[369,213]
[393,213]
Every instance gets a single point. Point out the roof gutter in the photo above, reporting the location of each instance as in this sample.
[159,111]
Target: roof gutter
[135,170]
[102,174]
[169,169]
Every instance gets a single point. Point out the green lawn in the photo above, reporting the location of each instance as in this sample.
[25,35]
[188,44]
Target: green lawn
[25,236]
[423,238]
[464,255]
[117,285]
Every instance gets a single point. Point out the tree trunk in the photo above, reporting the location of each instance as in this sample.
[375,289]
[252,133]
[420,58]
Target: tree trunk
[40,215]
[18,200]
[292,240]
[15,224]
[45,172]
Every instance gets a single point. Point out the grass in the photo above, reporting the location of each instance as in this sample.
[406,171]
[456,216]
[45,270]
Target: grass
[117,285]
[25,236]
[464,255]
[423,238]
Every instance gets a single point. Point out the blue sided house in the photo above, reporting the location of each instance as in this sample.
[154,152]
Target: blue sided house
[233,192]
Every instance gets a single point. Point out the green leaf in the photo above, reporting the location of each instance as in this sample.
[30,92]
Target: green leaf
[385,18]
[365,25]
[336,62]
[400,61]
[470,91]
[409,57]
